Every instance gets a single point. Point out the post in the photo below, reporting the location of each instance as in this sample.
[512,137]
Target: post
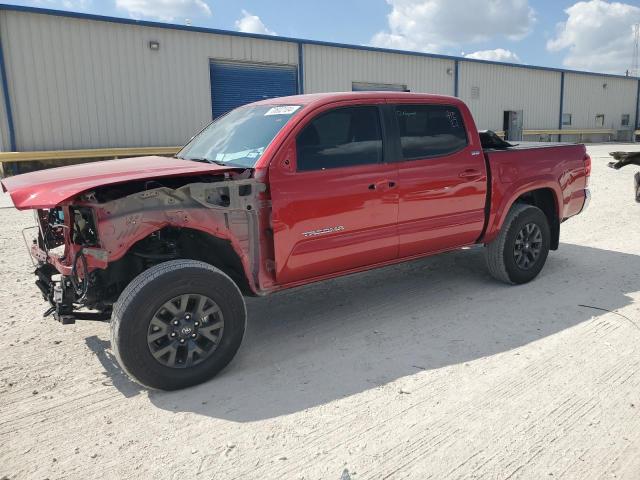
[456,77]
[637,110]
[7,100]
[561,105]
[300,68]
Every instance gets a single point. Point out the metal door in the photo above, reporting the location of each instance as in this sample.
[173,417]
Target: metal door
[513,125]
[234,84]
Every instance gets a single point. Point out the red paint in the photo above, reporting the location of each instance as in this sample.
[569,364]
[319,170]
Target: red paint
[587,165]
[442,199]
[515,172]
[48,188]
[339,197]
[367,216]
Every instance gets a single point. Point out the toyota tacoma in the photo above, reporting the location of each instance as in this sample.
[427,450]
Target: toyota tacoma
[278,194]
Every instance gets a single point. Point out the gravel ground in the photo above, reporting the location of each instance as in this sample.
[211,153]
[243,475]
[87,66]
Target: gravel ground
[423,370]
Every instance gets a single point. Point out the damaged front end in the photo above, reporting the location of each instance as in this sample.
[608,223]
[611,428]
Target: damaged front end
[89,248]
[63,248]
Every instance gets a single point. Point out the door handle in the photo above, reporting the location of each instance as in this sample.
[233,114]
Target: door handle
[383,185]
[470,173]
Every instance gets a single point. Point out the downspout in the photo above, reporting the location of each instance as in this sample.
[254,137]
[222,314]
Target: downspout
[561,104]
[7,100]
[300,68]
[456,77]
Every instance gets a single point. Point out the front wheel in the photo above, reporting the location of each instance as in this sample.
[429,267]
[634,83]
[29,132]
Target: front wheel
[177,324]
[520,251]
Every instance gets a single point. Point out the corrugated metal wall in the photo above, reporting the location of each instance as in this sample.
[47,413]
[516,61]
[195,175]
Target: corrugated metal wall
[333,69]
[498,88]
[86,84]
[585,97]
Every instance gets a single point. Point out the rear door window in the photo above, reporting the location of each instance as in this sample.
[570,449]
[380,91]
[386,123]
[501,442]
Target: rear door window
[430,130]
[341,138]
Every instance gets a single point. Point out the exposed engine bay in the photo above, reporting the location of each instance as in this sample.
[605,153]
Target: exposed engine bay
[89,248]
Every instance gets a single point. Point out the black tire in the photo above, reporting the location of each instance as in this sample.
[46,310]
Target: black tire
[502,259]
[146,295]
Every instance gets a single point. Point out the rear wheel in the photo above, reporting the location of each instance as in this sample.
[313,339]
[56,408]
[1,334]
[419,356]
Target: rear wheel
[520,251]
[177,324]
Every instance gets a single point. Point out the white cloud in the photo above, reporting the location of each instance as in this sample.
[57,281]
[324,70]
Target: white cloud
[252,24]
[597,35]
[76,5]
[438,25]
[166,10]
[497,55]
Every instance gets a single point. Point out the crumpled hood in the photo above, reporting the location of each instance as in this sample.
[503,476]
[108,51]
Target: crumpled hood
[48,188]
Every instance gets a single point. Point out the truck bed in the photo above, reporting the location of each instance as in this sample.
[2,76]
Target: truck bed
[559,167]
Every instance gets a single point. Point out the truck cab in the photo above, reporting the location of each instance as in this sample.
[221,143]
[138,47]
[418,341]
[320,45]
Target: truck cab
[367,182]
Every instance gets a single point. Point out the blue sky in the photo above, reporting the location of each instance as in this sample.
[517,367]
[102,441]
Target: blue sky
[590,35]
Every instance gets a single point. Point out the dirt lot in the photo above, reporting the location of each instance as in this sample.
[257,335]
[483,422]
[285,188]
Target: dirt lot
[424,370]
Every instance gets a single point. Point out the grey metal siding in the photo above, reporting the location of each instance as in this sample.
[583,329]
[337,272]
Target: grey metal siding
[500,88]
[89,84]
[585,96]
[81,82]
[333,69]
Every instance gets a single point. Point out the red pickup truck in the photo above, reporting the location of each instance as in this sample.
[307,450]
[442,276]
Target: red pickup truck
[277,194]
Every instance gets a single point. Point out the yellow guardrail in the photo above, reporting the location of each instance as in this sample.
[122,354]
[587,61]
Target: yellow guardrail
[88,153]
[569,131]
[577,131]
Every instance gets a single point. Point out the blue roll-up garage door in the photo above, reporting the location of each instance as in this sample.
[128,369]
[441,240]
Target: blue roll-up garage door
[234,84]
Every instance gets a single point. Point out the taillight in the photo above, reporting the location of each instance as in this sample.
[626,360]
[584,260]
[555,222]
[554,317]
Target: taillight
[587,167]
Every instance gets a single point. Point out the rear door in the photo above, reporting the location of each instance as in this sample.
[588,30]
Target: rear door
[334,198]
[442,179]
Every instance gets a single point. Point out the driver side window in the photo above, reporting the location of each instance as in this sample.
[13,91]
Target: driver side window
[340,138]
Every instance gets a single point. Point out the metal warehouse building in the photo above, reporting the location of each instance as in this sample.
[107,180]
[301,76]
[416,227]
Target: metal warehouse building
[77,81]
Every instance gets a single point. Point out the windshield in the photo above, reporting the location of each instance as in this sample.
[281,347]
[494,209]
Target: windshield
[240,137]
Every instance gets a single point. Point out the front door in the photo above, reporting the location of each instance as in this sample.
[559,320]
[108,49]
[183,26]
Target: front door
[442,178]
[334,198]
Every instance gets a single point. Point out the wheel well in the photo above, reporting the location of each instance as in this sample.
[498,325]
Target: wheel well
[198,245]
[545,200]
[169,243]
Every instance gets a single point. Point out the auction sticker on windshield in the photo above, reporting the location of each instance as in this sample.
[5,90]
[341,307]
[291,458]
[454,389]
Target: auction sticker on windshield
[282,110]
